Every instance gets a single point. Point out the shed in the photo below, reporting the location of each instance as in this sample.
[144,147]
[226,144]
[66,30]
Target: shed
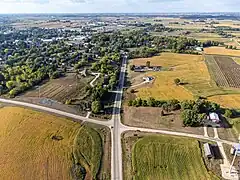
[214,117]
[207,150]
[236,149]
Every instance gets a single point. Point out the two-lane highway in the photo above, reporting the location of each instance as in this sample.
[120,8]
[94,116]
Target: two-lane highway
[116,160]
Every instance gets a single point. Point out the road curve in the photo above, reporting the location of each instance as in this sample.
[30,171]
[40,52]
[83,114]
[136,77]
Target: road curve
[55,111]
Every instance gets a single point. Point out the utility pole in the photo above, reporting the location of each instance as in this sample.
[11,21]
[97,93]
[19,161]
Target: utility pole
[39,91]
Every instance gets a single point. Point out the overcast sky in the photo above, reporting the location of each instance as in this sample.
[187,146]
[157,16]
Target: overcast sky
[115,6]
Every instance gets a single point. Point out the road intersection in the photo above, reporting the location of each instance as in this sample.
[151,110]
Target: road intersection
[117,128]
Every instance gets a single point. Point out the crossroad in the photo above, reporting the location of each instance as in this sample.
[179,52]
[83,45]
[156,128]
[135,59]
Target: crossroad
[117,128]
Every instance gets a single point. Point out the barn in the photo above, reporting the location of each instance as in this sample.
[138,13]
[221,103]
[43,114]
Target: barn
[214,117]
[208,150]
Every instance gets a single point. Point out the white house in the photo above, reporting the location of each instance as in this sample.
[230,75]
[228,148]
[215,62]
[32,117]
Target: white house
[214,117]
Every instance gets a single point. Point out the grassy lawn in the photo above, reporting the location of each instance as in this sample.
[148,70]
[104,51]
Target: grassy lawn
[36,145]
[190,69]
[165,157]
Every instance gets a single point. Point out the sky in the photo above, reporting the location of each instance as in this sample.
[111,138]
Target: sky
[117,6]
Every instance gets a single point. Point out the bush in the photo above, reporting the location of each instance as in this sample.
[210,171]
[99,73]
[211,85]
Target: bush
[130,102]
[228,113]
[191,118]
[96,107]
[177,81]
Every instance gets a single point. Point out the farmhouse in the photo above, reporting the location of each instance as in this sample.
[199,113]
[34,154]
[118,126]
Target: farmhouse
[214,117]
[148,78]
[208,150]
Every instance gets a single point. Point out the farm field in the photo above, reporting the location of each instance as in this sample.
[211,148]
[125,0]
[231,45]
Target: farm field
[208,37]
[190,69]
[62,89]
[228,101]
[224,70]
[47,147]
[166,157]
[221,51]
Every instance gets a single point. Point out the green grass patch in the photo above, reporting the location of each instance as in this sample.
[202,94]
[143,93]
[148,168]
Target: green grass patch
[88,151]
[166,157]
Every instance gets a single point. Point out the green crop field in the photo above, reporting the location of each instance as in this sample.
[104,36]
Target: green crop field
[88,151]
[166,157]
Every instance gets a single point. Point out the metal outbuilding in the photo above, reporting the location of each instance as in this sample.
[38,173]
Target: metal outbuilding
[207,150]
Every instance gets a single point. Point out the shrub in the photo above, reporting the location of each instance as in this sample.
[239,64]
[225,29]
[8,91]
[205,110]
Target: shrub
[191,118]
[177,81]
[130,102]
[96,107]
[228,113]
[132,91]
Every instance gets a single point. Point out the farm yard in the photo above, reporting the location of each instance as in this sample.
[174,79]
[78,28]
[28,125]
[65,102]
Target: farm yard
[62,89]
[48,147]
[164,157]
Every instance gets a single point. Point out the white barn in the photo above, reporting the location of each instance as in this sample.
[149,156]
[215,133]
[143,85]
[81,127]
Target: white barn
[214,117]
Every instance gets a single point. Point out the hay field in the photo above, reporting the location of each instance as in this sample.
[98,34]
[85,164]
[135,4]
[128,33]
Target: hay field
[222,51]
[190,69]
[36,145]
[208,37]
[166,157]
[228,101]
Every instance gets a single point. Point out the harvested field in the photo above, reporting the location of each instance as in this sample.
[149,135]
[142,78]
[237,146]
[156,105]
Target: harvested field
[208,37]
[224,70]
[166,157]
[221,51]
[227,101]
[190,69]
[62,89]
[36,145]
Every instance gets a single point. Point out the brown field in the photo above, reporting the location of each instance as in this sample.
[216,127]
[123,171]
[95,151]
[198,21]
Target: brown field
[224,70]
[222,51]
[230,23]
[62,89]
[149,117]
[27,149]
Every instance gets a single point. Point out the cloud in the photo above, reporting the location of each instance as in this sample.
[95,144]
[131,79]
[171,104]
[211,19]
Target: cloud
[26,1]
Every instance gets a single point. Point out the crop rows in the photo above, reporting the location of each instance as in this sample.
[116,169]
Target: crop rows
[224,70]
[167,158]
